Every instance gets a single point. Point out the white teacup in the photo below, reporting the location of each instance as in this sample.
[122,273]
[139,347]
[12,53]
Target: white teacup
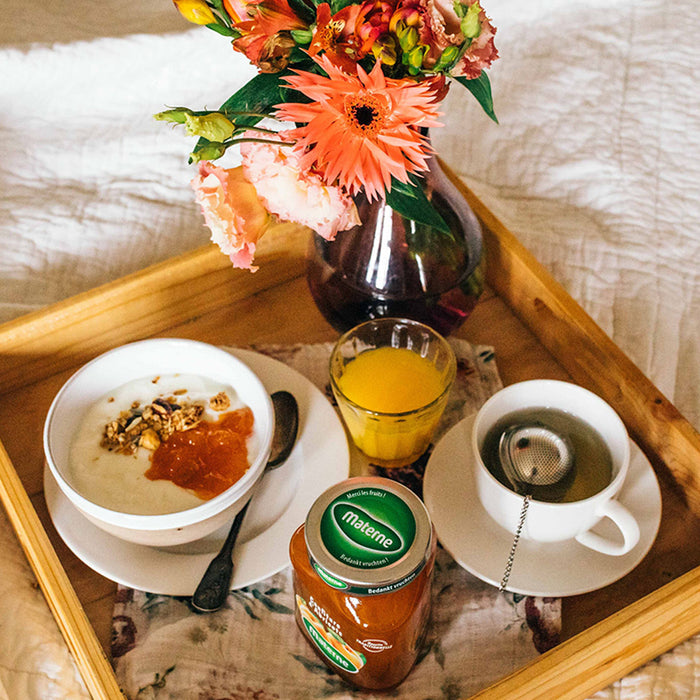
[554,522]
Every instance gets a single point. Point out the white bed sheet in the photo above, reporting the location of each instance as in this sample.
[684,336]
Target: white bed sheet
[595,166]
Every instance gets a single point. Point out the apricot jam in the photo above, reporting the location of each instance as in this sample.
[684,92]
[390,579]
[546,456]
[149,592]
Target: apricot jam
[363,564]
[208,458]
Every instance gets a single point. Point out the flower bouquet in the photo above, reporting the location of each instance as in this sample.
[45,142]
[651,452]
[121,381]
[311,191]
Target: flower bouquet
[341,105]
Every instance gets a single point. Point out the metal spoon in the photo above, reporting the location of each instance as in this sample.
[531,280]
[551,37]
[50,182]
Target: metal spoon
[536,461]
[215,585]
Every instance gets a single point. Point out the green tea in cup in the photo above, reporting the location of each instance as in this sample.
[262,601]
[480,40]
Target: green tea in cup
[592,467]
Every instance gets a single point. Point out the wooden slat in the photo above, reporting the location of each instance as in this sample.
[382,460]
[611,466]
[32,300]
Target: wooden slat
[579,667]
[589,355]
[71,619]
[145,303]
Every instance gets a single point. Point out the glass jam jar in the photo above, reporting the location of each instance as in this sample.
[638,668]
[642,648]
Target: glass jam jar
[363,564]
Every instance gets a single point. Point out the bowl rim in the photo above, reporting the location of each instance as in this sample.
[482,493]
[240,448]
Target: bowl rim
[180,518]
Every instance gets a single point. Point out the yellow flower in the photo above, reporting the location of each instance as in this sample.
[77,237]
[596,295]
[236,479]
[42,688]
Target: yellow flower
[196,11]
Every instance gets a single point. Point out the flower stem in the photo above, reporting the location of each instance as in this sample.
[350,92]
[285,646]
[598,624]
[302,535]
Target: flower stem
[261,129]
[274,142]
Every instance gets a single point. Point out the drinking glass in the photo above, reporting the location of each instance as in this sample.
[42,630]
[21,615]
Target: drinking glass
[391,402]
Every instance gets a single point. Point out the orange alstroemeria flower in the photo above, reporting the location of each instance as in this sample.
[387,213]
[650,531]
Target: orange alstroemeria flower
[236,10]
[335,37]
[265,20]
[373,22]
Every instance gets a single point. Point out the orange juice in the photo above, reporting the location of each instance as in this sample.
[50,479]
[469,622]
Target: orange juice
[391,380]
[391,400]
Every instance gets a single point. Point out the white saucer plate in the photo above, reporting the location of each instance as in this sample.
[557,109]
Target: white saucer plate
[319,460]
[481,546]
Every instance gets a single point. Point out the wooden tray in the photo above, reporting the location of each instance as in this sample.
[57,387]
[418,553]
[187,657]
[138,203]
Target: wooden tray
[537,331]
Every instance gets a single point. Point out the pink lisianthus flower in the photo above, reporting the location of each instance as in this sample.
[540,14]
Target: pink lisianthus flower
[232,211]
[293,194]
[482,51]
[442,27]
[266,193]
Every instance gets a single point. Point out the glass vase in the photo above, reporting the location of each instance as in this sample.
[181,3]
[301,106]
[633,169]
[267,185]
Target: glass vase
[393,266]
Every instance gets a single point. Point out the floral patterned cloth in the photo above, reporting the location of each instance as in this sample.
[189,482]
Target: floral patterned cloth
[252,647]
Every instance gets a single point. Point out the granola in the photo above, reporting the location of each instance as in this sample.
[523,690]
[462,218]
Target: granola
[150,425]
[220,402]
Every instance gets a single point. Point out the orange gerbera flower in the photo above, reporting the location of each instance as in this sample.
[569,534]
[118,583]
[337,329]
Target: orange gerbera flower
[363,129]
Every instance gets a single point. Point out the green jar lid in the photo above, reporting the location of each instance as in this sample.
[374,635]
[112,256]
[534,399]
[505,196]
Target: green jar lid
[368,535]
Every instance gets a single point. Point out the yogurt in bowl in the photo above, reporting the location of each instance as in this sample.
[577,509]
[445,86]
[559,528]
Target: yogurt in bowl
[123,432]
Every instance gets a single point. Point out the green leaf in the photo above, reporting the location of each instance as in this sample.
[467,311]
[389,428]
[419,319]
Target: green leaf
[410,201]
[221,29]
[481,89]
[301,61]
[259,94]
[218,5]
[338,5]
[303,11]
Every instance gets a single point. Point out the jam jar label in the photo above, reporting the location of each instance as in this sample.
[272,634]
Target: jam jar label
[368,528]
[328,642]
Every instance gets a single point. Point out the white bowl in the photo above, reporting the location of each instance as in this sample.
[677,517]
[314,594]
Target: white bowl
[160,356]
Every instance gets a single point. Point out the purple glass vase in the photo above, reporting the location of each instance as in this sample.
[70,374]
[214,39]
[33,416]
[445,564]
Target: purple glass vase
[393,266]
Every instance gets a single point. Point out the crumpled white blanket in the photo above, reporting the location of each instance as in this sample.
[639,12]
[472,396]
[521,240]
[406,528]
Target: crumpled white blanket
[34,662]
[594,166]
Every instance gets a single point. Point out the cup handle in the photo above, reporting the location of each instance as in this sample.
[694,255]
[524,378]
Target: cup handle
[625,523]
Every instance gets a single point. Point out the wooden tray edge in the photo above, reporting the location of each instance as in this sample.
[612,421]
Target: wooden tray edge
[588,354]
[70,616]
[590,661]
[70,332]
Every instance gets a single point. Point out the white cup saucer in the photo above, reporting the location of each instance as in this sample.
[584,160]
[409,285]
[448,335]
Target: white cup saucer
[481,546]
